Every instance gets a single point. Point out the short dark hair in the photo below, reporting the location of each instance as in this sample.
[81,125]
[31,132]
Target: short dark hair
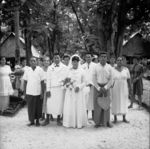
[23,59]
[1,57]
[66,56]
[40,58]
[102,52]
[33,57]
[113,56]
[124,56]
[56,53]
[75,58]
[120,57]
[96,54]
[136,57]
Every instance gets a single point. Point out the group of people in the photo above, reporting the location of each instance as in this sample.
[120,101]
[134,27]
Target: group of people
[69,89]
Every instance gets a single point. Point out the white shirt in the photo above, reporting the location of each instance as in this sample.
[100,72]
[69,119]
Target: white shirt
[45,73]
[55,74]
[33,78]
[89,72]
[25,68]
[103,75]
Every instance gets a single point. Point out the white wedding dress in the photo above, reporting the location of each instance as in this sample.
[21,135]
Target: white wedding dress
[74,113]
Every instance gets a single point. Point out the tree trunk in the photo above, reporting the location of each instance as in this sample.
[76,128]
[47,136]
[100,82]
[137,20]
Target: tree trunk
[78,20]
[16,20]
[47,44]
[28,46]
[53,38]
[1,35]
[119,45]
[53,41]
[74,10]
[121,27]
[50,45]
[100,33]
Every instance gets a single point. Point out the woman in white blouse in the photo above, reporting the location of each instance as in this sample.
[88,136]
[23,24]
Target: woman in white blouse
[120,90]
[5,84]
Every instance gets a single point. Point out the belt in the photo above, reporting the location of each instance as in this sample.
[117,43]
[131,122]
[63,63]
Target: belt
[101,84]
[56,86]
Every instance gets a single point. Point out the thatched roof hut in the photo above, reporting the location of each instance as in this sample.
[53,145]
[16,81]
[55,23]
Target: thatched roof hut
[136,46]
[8,47]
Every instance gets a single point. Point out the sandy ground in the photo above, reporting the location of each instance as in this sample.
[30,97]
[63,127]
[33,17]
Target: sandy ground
[16,135]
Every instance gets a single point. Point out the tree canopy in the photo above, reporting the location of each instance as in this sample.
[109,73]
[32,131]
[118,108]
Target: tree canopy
[86,25]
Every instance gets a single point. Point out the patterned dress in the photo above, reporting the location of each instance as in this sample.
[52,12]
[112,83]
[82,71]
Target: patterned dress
[136,71]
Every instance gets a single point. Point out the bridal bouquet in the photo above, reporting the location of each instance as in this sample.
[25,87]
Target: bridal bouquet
[68,83]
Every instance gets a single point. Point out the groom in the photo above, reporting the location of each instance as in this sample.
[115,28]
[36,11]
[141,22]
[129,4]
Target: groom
[55,93]
[103,81]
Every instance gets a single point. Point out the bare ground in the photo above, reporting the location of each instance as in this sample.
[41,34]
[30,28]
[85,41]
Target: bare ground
[16,135]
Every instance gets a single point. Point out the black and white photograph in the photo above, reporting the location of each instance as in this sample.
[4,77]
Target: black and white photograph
[74,74]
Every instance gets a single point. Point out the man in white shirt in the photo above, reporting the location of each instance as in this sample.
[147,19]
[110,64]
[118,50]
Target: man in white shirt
[89,68]
[103,82]
[34,90]
[113,61]
[66,59]
[24,69]
[55,93]
[46,63]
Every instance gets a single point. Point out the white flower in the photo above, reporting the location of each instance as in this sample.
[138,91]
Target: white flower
[68,83]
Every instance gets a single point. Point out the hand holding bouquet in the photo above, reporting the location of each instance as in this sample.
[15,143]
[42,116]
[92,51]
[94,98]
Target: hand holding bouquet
[68,83]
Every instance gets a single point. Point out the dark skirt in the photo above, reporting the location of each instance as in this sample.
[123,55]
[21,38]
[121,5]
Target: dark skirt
[101,115]
[138,87]
[34,104]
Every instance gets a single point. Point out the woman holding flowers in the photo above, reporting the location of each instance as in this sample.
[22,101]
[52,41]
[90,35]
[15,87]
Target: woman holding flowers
[74,113]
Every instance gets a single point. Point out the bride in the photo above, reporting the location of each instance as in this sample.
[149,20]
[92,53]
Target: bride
[74,113]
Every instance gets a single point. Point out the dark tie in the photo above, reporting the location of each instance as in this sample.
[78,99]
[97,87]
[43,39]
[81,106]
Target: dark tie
[57,65]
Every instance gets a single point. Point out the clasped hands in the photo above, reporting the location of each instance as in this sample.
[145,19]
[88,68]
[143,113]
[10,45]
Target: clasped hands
[102,92]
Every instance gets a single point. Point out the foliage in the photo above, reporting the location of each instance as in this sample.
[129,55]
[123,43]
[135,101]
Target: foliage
[87,25]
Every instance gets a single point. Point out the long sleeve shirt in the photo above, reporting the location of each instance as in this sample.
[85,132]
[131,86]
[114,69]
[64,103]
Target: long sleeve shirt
[103,75]
[55,74]
[89,72]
